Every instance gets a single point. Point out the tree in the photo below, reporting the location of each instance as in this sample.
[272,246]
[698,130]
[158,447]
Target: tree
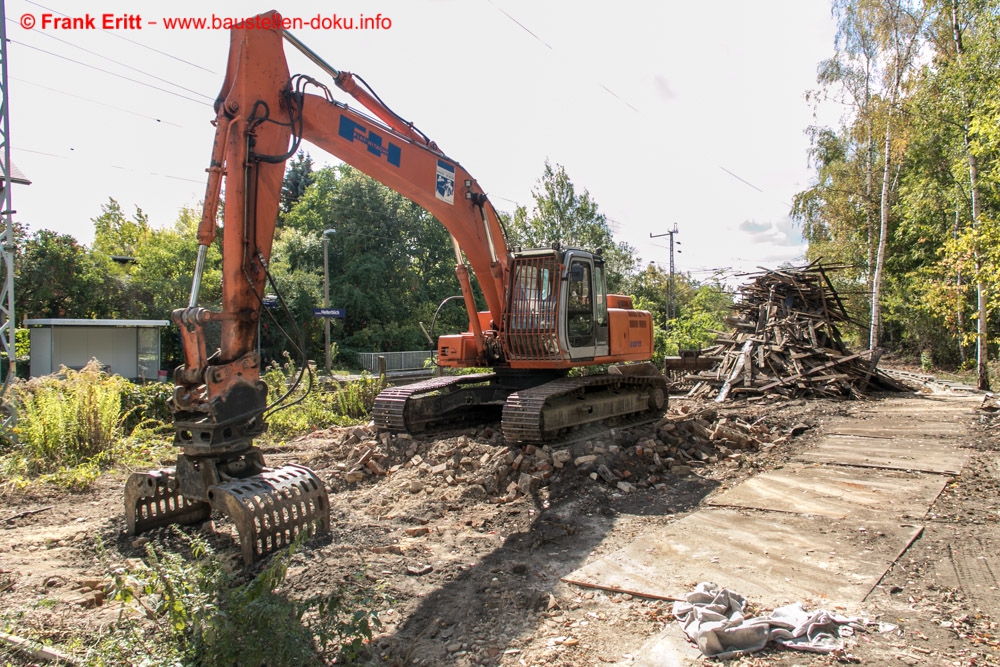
[561,215]
[298,178]
[964,68]
[57,277]
[890,29]
[117,235]
[391,262]
[933,271]
[164,269]
[877,45]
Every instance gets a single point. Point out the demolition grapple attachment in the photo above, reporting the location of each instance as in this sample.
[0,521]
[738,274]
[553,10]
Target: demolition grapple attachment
[220,469]
[269,509]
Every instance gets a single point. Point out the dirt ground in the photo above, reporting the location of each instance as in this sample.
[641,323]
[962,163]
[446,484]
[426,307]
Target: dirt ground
[468,539]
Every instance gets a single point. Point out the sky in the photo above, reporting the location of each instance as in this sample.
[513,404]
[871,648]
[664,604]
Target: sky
[668,113]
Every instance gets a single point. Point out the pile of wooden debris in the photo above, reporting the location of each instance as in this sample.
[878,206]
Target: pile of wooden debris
[785,341]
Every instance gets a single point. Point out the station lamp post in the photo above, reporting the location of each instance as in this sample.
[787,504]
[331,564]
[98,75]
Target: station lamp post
[326,290]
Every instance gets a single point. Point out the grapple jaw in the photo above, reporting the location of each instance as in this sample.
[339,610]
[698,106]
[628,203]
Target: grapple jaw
[153,501]
[272,508]
[269,509]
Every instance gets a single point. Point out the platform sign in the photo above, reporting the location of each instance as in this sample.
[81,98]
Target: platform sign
[339,313]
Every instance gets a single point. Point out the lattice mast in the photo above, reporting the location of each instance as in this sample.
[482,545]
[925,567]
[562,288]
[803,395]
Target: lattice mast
[7,319]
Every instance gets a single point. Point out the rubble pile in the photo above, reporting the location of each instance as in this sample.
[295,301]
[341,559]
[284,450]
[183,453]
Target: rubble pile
[478,465]
[785,342]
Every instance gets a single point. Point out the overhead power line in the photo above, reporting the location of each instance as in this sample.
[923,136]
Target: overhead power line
[741,180]
[548,46]
[114,166]
[120,76]
[521,25]
[103,104]
[131,41]
[617,97]
[127,66]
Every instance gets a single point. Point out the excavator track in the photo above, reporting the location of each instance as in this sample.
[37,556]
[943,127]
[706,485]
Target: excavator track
[413,407]
[549,411]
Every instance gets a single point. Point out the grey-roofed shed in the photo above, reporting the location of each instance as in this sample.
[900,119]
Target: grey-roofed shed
[130,348]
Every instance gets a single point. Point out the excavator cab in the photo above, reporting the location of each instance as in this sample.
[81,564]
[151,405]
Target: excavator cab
[558,308]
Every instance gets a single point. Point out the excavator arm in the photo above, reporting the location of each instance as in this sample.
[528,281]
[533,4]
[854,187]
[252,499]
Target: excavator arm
[260,111]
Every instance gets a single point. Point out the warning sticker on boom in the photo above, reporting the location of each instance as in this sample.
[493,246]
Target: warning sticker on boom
[445,187]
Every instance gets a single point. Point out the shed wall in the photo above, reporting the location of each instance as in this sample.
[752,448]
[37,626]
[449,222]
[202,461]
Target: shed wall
[41,351]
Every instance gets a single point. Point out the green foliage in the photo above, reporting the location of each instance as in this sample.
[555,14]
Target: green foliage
[160,279]
[204,615]
[72,427]
[699,309]
[67,422]
[391,264]
[298,177]
[355,399]
[22,353]
[696,323]
[76,424]
[57,277]
[22,343]
[115,234]
[145,405]
[310,407]
[943,199]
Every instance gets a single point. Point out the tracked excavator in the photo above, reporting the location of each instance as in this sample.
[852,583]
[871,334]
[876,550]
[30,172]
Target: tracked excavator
[547,310]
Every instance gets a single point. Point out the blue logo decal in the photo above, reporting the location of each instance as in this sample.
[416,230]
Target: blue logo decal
[444,187]
[353,132]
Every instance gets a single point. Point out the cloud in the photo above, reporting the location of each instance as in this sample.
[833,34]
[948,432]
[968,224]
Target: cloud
[781,233]
[770,242]
[662,87]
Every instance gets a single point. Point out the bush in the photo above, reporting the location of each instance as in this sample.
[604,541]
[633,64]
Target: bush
[68,422]
[146,405]
[357,398]
[75,424]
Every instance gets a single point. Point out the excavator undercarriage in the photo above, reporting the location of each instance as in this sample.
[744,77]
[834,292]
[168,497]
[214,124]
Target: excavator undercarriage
[535,407]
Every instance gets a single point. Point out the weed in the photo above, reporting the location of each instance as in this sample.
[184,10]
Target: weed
[201,615]
[65,422]
[349,404]
[357,397]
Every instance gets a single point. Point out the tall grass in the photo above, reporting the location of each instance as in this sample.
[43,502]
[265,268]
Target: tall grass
[67,422]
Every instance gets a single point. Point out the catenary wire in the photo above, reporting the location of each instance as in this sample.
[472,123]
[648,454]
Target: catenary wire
[130,41]
[115,74]
[118,62]
[85,99]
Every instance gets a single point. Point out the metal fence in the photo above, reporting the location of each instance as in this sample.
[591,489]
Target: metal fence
[394,361]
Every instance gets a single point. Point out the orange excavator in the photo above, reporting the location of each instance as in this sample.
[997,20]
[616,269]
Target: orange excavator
[548,310]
